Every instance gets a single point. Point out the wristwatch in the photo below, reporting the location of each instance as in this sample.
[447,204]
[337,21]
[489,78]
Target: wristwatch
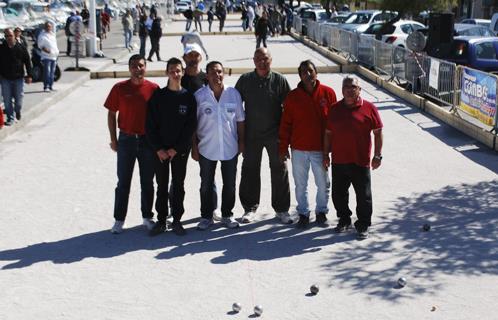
[378,157]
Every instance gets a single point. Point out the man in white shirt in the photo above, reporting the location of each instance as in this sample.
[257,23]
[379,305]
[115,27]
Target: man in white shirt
[219,137]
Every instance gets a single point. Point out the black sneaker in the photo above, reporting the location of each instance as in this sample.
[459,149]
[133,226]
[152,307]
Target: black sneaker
[158,228]
[321,218]
[342,226]
[178,229]
[18,115]
[9,122]
[363,234]
[303,222]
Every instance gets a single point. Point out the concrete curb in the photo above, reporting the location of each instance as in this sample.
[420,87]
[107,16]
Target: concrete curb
[451,118]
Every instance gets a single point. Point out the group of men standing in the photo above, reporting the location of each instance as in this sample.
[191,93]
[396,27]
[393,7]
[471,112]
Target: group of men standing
[197,113]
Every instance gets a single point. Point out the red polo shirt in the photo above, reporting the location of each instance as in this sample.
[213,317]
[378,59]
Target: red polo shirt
[130,101]
[304,118]
[350,132]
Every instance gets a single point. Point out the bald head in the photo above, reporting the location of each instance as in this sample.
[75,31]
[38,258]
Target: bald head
[262,61]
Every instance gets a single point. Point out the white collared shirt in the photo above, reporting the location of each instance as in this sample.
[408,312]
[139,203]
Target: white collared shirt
[217,123]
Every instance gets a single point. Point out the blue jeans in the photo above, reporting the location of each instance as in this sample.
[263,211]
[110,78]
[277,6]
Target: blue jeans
[131,148]
[12,89]
[48,73]
[128,33]
[301,162]
[209,197]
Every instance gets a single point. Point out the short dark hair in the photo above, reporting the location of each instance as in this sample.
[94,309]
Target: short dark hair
[173,61]
[305,64]
[136,57]
[211,64]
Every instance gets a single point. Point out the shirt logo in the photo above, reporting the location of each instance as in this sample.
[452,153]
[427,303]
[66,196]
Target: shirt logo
[208,111]
[182,109]
[230,110]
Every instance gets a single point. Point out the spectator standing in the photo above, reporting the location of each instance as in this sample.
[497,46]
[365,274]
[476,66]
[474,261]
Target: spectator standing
[263,26]
[250,17]
[193,37]
[351,122]
[198,16]
[47,43]
[15,69]
[221,13]
[127,105]
[263,92]
[219,137]
[210,17]
[67,31]
[194,78]
[189,15]
[20,38]
[171,122]
[155,35]
[143,33]
[302,127]
[127,22]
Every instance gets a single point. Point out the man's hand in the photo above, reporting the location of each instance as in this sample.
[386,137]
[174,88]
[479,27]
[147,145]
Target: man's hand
[162,155]
[242,147]
[284,156]
[114,145]
[375,163]
[326,161]
[171,153]
[195,154]
[28,80]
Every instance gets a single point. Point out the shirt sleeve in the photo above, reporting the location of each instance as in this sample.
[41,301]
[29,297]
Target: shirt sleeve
[285,89]
[376,120]
[27,62]
[152,127]
[239,111]
[112,101]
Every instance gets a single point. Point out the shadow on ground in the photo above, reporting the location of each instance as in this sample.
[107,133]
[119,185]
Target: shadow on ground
[462,241]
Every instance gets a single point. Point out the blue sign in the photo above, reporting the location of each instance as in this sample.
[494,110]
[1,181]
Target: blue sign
[478,95]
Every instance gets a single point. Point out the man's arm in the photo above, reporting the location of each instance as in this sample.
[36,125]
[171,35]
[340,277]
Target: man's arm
[326,149]
[241,131]
[195,147]
[111,124]
[378,142]
[27,65]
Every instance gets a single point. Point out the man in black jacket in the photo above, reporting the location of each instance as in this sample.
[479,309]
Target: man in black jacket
[14,61]
[171,122]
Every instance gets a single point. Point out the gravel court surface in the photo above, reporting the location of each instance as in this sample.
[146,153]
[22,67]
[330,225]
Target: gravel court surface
[58,259]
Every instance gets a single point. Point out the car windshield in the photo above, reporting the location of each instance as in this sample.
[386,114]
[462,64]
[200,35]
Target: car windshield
[323,16]
[359,18]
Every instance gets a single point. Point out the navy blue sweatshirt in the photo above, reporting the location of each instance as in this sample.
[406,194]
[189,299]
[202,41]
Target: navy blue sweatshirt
[13,61]
[171,120]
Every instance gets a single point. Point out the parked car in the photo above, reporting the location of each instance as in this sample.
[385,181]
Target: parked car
[181,7]
[339,19]
[463,29]
[359,21]
[474,51]
[319,15]
[395,33]
[482,22]
[494,23]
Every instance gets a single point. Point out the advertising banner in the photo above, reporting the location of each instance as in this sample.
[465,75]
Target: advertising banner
[478,95]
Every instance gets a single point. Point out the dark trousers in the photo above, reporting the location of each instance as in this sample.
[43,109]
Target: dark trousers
[68,52]
[250,182]
[343,175]
[259,39]
[154,47]
[222,24]
[131,148]
[209,197]
[178,171]
[143,42]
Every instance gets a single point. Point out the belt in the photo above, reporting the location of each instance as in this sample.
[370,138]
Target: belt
[132,134]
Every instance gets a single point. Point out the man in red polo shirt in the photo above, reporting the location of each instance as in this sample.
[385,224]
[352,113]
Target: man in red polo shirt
[302,127]
[127,103]
[348,136]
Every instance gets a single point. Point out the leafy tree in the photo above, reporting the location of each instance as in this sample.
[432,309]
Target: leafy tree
[413,7]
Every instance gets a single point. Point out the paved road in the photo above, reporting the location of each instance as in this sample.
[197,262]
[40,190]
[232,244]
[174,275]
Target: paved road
[59,261]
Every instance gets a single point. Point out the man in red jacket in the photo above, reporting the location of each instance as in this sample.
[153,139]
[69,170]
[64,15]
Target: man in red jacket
[350,124]
[302,127]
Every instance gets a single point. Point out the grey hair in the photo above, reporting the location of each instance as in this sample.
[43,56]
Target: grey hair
[351,79]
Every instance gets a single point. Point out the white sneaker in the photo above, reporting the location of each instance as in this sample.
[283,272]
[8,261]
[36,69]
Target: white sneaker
[117,227]
[217,215]
[284,217]
[229,222]
[204,224]
[248,217]
[148,223]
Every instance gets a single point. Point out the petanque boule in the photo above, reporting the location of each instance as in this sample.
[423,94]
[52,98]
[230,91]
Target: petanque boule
[236,307]
[314,289]
[258,310]
[426,227]
[402,282]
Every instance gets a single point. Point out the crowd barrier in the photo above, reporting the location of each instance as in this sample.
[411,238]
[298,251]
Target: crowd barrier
[437,79]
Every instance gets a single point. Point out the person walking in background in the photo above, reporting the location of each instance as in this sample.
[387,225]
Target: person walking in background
[20,38]
[171,122]
[263,92]
[127,105]
[221,13]
[263,26]
[210,17]
[47,43]
[106,22]
[243,17]
[143,33]
[193,78]
[350,124]
[15,69]
[127,22]
[189,15]
[198,16]
[67,31]
[302,127]
[219,137]
[250,17]
[155,35]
